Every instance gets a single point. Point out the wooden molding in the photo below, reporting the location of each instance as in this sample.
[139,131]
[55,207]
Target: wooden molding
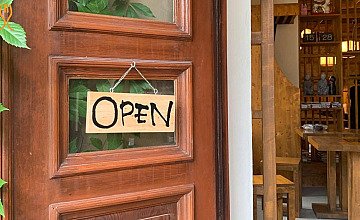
[60,18]
[182,196]
[6,139]
[62,69]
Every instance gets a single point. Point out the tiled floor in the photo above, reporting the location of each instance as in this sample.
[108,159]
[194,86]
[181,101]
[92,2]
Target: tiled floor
[310,195]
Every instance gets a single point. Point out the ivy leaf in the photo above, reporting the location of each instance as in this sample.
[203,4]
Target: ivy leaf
[97,6]
[96,142]
[131,13]
[15,36]
[78,91]
[115,141]
[6,2]
[119,88]
[2,212]
[120,10]
[143,9]
[2,183]
[103,86]
[77,108]
[139,87]
[83,2]
[82,8]
[73,146]
[135,88]
[3,108]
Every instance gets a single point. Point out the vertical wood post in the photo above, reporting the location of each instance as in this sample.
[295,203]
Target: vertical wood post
[268,107]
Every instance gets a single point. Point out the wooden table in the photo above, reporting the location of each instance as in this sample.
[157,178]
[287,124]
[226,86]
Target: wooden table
[330,210]
[305,134]
[349,143]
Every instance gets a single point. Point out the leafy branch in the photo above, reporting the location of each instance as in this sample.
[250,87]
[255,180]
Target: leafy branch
[11,32]
[122,8]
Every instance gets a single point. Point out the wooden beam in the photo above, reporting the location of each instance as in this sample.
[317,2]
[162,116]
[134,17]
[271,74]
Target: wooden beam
[255,38]
[268,107]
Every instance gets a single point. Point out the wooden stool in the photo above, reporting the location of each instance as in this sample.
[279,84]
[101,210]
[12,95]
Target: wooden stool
[292,164]
[283,187]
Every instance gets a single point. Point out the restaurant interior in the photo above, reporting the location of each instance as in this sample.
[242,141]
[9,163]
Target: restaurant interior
[316,105]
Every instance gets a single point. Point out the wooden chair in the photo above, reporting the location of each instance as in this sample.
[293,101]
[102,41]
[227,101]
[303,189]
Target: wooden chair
[283,187]
[292,164]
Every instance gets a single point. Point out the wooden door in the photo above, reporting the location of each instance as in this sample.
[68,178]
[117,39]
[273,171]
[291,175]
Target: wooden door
[56,170]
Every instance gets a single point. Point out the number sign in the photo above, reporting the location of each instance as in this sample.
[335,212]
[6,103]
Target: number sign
[326,37]
[309,37]
[129,113]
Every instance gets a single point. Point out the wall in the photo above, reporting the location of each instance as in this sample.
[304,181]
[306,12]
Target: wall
[287,50]
[287,46]
[239,111]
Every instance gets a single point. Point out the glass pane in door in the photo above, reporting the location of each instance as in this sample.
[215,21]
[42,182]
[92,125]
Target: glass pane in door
[160,10]
[80,142]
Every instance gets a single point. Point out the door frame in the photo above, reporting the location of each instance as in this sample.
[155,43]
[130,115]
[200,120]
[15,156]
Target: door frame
[221,132]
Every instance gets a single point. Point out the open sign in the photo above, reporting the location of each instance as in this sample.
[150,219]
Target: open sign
[129,113]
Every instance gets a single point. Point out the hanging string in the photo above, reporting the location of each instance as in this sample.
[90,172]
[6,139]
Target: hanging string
[133,66]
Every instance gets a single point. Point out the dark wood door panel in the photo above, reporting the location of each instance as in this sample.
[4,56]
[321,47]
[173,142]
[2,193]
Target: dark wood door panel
[164,203]
[34,122]
[62,69]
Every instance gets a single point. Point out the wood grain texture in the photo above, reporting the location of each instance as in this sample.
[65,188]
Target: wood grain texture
[5,128]
[354,185]
[64,68]
[36,118]
[287,101]
[130,206]
[62,19]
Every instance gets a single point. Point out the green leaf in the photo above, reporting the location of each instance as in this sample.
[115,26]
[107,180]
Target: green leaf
[73,146]
[120,10]
[96,142]
[103,86]
[139,87]
[131,13]
[143,9]
[15,36]
[6,2]
[77,108]
[82,8]
[2,212]
[3,108]
[119,88]
[78,91]
[83,2]
[115,141]
[97,6]
[2,183]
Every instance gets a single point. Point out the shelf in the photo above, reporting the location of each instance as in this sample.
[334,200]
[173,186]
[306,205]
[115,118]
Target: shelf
[316,55]
[319,16]
[322,96]
[331,43]
[322,109]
